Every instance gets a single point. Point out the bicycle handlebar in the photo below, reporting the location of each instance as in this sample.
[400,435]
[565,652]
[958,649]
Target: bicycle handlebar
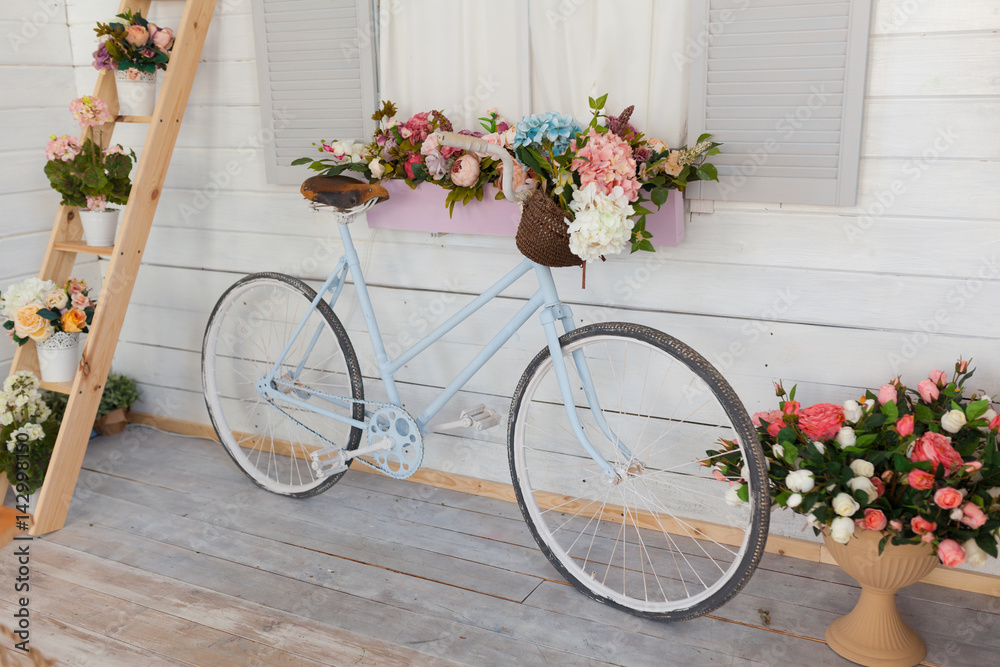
[475,144]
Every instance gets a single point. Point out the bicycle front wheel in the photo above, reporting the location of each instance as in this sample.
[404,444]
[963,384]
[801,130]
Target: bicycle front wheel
[250,326]
[661,540]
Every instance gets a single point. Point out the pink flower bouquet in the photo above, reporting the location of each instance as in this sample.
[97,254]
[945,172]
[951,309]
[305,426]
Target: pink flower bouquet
[132,44]
[916,465]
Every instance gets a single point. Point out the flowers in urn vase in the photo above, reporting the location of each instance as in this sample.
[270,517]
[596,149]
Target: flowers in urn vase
[85,174]
[35,309]
[132,44]
[917,466]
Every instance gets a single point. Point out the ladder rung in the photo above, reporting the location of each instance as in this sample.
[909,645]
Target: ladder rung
[60,387]
[80,246]
[134,119]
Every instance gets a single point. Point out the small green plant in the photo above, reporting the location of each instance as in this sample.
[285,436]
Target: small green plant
[120,391]
[28,429]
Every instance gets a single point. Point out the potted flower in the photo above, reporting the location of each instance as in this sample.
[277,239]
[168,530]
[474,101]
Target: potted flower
[120,393]
[134,49]
[28,430]
[591,181]
[895,482]
[89,176]
[53,317]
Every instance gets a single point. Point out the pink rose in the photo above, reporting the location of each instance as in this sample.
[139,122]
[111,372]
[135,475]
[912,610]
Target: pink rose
[927,537]
[973,466]
[879,487]
[821,421]
[928,390]
[951,553]
[521,182]
[136,35]
[896,525]
[718,475]
[886,394]
[430,145]
[81,301]
[465,171]
[904,426]
[938,378]
[962,366]
[791,408]
[973,515]
[921,526]
[920,480]
[410,161]
[874,519]
[995,424]
[937,449]
[947,498]
[163,39]
[774,419]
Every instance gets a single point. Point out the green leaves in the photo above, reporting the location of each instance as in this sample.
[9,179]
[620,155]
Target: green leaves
[659,196]
[743,493]
[922,413]
[977,409]
[599,103]
[890,411]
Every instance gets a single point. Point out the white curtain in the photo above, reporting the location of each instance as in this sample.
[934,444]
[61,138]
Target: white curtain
[466,56]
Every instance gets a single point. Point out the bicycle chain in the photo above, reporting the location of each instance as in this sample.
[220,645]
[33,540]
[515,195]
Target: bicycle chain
[355,401]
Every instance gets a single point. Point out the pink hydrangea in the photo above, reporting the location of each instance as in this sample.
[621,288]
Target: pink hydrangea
[420,125]
[90,111]
[607,161]
[63,148]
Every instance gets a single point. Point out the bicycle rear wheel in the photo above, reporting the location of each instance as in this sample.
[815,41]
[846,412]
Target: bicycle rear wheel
[246,333]
[662,541]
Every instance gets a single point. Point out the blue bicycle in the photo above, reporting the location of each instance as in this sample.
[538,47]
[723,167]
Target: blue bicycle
[607,431]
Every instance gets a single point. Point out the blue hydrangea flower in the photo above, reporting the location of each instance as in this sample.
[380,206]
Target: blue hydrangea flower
[556,128]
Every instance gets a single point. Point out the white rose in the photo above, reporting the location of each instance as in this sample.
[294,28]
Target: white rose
[813,521]
[800,481]
[863,484]
[852,411]
[745,473]
[841,529]
[377,168]
[845,506]
[956,514]
[846,437]
[989,414]
[953,420]
[994,492]
[731,496]
[820,447]
[974,556]
[778,451]
[862,468]
[794,501]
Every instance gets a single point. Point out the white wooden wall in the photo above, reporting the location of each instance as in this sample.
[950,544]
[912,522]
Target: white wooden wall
[831,299]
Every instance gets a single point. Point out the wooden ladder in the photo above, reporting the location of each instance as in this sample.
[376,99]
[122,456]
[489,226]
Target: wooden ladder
[126,255]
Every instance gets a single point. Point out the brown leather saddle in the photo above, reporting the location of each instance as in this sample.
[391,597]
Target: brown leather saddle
[341,192]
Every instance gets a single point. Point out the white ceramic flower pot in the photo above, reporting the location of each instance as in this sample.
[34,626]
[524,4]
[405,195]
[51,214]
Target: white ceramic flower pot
[99,227]
[59,357]
[136,92]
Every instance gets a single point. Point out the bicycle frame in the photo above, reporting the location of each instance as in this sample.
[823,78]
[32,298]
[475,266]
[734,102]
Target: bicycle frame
[545,299]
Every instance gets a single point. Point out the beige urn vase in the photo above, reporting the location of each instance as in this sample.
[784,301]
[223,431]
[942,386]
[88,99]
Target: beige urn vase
[874,633]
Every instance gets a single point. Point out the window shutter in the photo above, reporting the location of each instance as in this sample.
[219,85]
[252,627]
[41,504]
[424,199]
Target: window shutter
[317,77]
[781,84]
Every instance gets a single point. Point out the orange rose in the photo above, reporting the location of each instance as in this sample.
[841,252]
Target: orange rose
[29,324]
[74,320]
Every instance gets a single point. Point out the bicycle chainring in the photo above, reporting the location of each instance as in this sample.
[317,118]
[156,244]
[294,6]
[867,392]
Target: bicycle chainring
[407,451]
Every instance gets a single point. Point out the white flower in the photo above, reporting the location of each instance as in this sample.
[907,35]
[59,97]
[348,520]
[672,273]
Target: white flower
[974,556]
[778,451]
[956,514]
[813,521]
[863,484]
[989,414]
[19,295]
[800,481]
[6,419]
[731,496]
[844,505]
[33,431]
[994,492]
[846,437]
[953,420]
[862,468]
[794,501]
[745,473]
[841,529]
[820,447]
[852,411]
[377,168]
[601,225]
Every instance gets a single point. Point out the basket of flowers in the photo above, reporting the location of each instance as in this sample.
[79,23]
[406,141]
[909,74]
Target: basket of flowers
[584,188]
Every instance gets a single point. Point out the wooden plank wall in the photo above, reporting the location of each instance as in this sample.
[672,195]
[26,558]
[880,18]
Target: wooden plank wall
[831,299]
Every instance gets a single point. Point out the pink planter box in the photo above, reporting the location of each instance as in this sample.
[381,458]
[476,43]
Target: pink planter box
[423,210]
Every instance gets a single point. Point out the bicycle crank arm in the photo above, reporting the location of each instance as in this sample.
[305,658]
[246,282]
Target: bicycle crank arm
[333,460]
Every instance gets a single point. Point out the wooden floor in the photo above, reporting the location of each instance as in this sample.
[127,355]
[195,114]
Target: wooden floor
[171,556]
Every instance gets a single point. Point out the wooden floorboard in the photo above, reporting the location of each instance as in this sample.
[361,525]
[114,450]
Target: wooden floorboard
[172,556]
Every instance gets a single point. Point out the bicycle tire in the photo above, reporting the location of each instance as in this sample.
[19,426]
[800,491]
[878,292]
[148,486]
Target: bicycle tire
[578,527]
[242,340]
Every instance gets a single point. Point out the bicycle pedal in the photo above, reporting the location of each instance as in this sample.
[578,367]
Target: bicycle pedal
[481,417]
[328,461]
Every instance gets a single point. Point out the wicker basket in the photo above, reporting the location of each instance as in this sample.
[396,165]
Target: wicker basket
[542,236]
